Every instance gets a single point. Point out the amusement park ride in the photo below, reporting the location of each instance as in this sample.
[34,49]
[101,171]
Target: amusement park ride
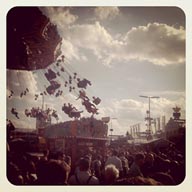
[148,118]
[34,44]
[32,40]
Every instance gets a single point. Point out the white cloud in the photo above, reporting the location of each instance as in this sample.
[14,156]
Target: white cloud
[70,50]
[129,112]
[90,36]
[103,13]
[60,16]
[93,37]
[159,44]
[18,81]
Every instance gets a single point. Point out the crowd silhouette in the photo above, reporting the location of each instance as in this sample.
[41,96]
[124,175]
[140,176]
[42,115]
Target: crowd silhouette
[136,165]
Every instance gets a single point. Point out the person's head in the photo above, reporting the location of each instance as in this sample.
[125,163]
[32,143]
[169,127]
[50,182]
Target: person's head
[166,165]
[122,153]
[60,156]
[98,157]
[111,173]
[68,160]
[84,164]
[46,153]
[114,152]
[52,173]
[149,158]
[139,159]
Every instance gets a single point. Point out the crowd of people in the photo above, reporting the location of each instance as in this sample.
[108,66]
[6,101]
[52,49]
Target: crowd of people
[119,166]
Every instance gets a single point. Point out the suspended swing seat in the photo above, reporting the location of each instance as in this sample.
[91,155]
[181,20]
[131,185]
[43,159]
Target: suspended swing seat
[52,88]
[50,75]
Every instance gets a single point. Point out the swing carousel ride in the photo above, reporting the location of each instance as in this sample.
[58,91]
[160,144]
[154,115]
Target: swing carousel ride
[34,44]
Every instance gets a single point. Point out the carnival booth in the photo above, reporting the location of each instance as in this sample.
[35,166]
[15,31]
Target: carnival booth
[77,137]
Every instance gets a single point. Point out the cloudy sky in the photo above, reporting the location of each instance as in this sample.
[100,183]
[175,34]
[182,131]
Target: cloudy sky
[125,52]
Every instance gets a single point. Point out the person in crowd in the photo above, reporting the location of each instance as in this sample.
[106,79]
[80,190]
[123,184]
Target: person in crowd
[138,180]
[96,166]
[31,172]
[135,169]
[148,166]
[175,168]
[14,174]
[68,160]
[45,155]
[51,172]
[164,178]
[115,160]
[83,176]
[130,159]
[99,167]
[111,174]
[10,128]
[125,164]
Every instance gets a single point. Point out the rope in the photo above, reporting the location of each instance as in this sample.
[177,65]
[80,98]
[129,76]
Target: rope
[69,70]
[20,84]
